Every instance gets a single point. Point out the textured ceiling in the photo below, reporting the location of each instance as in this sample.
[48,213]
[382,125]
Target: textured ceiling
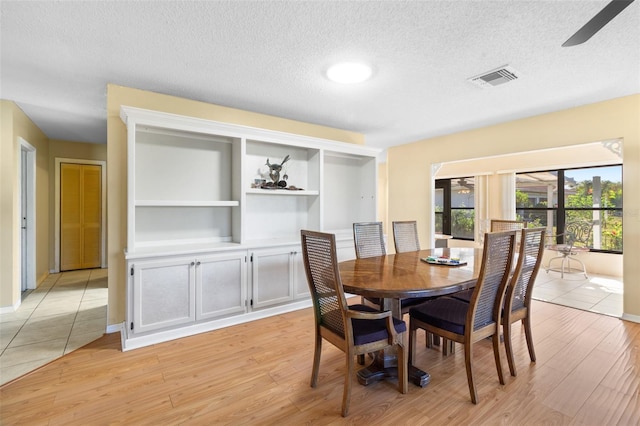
[269,56]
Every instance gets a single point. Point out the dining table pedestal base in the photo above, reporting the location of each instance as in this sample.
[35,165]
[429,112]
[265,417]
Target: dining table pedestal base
[374,373]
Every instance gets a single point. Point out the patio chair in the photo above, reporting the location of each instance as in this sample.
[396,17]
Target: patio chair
[576,237]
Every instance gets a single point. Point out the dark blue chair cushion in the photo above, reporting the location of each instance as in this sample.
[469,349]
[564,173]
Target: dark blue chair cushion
[412,301]
[464,295]
[367,331]
[404,303]
[444,312]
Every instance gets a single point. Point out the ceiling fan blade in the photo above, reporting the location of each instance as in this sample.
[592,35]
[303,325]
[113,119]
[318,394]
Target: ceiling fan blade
[597,22]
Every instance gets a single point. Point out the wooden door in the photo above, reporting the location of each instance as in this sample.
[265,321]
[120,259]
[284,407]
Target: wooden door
[80,216]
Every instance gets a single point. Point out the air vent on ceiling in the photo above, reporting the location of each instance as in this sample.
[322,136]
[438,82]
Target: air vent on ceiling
[495,77]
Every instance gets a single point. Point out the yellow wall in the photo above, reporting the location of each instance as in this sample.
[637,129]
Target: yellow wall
[117,164]
[15,125]
[410,179]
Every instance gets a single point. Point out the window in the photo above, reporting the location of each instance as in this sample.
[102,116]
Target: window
[442,205]
[592,194]
[454,207]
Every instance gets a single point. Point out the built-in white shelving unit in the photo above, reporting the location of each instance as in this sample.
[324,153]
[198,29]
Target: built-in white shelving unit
[206,247]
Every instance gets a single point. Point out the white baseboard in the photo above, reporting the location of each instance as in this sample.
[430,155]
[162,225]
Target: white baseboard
[632,318]
[130,342]
[12,308]
[115,328]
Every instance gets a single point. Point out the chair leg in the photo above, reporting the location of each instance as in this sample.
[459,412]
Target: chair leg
[412,344]
[403,367]
[448,347]
[468,364]
[548,268]
[496,355]
[316,360]
[346,394]
[527,332]
[584,268]
[506,330]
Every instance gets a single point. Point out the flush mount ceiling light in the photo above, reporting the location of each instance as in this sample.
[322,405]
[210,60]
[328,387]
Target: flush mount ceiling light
[349,72]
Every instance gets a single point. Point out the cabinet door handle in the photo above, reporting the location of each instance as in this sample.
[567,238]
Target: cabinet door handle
[198,263]
[193,263]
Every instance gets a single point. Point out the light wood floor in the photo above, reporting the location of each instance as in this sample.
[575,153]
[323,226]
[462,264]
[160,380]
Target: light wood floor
[588,372]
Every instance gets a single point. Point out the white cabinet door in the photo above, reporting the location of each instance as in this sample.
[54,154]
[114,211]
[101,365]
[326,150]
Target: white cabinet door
[271,276]
[299,275]
[221,285]
[163,294]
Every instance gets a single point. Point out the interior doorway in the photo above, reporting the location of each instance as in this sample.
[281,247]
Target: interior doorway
[27,215]
[80,214]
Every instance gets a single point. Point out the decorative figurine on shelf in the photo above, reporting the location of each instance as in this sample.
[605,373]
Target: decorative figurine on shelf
[274,172]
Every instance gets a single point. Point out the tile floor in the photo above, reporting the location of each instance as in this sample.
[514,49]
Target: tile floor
[598,293]
[67,311]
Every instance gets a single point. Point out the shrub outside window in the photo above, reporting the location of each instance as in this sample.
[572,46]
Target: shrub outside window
[455,207]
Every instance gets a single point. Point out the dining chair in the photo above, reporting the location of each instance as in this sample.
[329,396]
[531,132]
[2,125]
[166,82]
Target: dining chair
[369,242]
[517,303]
[405,239]
[405,236]
[368,239]
[497,225]
[355,329]
[468,323]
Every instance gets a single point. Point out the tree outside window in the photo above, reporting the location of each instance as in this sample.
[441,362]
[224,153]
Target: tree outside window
[591,194]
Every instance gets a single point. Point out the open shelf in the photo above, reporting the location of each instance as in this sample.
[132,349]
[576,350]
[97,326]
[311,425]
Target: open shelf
[204,245]
[302,168]
[349,190]
[185,203]
[182,166]
[260,191]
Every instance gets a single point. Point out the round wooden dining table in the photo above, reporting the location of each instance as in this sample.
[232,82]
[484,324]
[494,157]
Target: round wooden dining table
[400,276]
